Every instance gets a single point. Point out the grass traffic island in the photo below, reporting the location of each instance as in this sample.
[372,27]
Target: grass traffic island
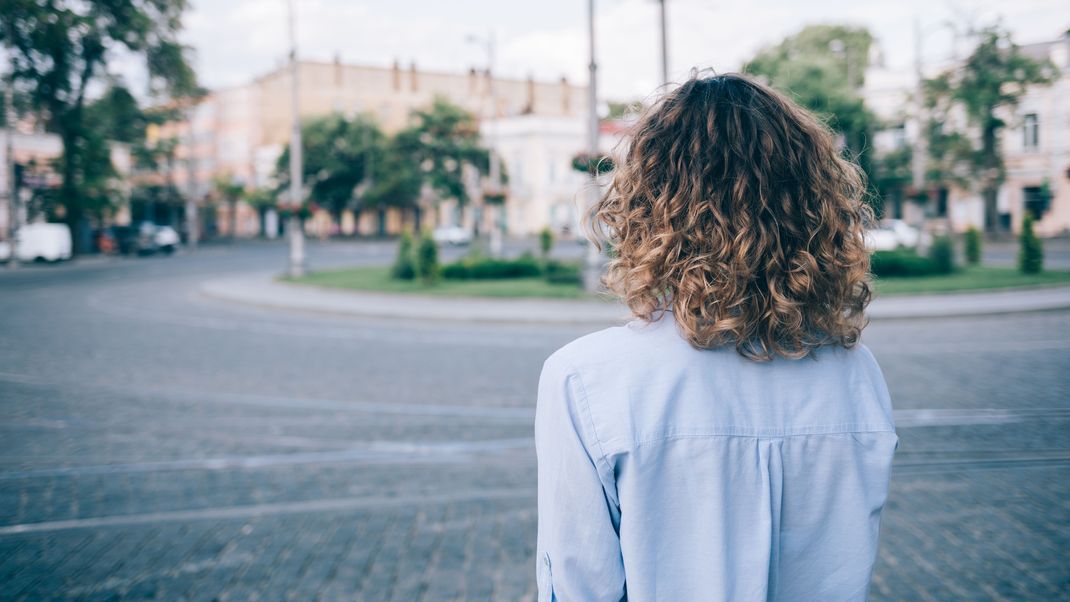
[378,279]
[972,278]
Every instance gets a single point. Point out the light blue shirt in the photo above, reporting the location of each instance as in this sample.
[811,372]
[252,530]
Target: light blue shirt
[671,473]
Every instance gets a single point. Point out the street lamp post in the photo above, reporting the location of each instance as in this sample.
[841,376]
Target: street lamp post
[664,44]
[592,268]
[12,188]
[495,176]
[296,266]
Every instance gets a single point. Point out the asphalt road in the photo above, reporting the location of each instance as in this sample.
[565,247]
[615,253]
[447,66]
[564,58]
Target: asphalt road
[156,444]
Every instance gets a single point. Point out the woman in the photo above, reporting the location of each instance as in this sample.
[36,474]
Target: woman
[734,441]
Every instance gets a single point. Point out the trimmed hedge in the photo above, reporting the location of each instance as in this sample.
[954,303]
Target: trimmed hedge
[476,268]
[525,266]
[906,262]
[563,273]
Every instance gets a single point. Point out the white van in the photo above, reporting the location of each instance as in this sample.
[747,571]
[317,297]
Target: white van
[44,242]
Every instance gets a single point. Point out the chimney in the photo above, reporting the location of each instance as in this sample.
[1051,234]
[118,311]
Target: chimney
[530,107]
[566,93]
[337,69]
[396,73]
[473,81]
[413,80]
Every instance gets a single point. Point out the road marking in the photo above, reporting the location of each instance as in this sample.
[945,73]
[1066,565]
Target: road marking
[398,452]
[260,510]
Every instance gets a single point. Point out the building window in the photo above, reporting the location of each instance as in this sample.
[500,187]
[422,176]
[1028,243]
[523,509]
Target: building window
[1030,132]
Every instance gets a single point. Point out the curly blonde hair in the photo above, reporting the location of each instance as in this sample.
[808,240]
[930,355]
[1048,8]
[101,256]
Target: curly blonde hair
[733,208]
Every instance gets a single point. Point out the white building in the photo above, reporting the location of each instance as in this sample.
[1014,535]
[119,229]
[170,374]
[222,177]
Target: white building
[543,188]
[1035,145]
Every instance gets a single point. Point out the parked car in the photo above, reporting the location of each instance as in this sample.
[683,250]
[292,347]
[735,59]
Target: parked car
[894,233]
[166,239]
[140,240]
[453,235]
[39,242]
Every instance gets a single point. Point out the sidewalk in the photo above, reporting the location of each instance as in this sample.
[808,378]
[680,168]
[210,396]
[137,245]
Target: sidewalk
[263,290]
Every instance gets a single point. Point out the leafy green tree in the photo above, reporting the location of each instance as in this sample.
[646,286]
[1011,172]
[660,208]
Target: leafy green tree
[395,181]
[232,192]
[822,67]
[1031,249]
[546,241]
[339,154]
[60,48]
[404,267]
[972,246]
[988,84]
[440,142]
[427,266]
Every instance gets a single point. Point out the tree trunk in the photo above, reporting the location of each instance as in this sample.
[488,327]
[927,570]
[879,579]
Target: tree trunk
[68,195]
[990,177]
[233,219]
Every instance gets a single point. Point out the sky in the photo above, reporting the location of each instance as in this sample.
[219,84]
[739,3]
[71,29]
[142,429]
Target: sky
[237,40]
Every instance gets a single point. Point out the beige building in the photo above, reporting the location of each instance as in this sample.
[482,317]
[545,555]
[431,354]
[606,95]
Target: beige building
[238,133]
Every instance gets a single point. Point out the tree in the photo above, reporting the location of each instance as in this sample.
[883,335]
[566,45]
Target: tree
[441,141]
[987,86]
[822,67]
[60,47]
[395,181]
[339,153]
[232,192]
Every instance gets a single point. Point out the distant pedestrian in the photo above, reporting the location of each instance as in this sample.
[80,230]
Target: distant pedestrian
[735,440]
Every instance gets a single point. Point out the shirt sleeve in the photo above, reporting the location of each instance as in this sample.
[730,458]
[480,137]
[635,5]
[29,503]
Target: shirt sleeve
[578,551]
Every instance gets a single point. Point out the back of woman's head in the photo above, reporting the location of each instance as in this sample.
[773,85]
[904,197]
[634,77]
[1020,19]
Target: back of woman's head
[733,208]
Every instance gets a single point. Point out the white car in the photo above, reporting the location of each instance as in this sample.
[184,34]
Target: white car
[453,235]
[166,239]
[895,233]
[39,242]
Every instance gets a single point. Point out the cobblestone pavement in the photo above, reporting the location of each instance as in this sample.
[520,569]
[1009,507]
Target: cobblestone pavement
[156,445]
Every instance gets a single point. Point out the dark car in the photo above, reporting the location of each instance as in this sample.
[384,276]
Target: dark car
[140,240]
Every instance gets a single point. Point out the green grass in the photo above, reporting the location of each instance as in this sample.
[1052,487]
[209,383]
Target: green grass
[377,279]
[968,279]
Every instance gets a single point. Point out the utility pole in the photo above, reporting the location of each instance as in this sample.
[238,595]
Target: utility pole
[592,268]
[12,188]
[296,267]
[920,143]
[664,44]
[495,160]
[192,217]
[495,177]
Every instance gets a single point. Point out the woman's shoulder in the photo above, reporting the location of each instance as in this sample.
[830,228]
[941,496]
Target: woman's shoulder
[619,345]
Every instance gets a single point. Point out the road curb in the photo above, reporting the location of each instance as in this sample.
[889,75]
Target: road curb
[262,290]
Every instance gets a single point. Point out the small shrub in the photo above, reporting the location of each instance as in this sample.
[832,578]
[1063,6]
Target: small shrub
[546,241]
[480,268]
[1030,250]
[942,254]
[972,246]
[404,267]
[564,273]
[427,259]
[901,262]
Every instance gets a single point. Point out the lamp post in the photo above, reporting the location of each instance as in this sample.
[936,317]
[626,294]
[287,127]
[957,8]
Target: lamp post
[296,266]
[664,44]
[495,176]
[12,187]
[592,265]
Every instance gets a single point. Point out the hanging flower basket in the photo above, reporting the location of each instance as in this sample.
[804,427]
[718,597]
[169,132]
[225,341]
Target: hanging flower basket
[593,164]
[494,197]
